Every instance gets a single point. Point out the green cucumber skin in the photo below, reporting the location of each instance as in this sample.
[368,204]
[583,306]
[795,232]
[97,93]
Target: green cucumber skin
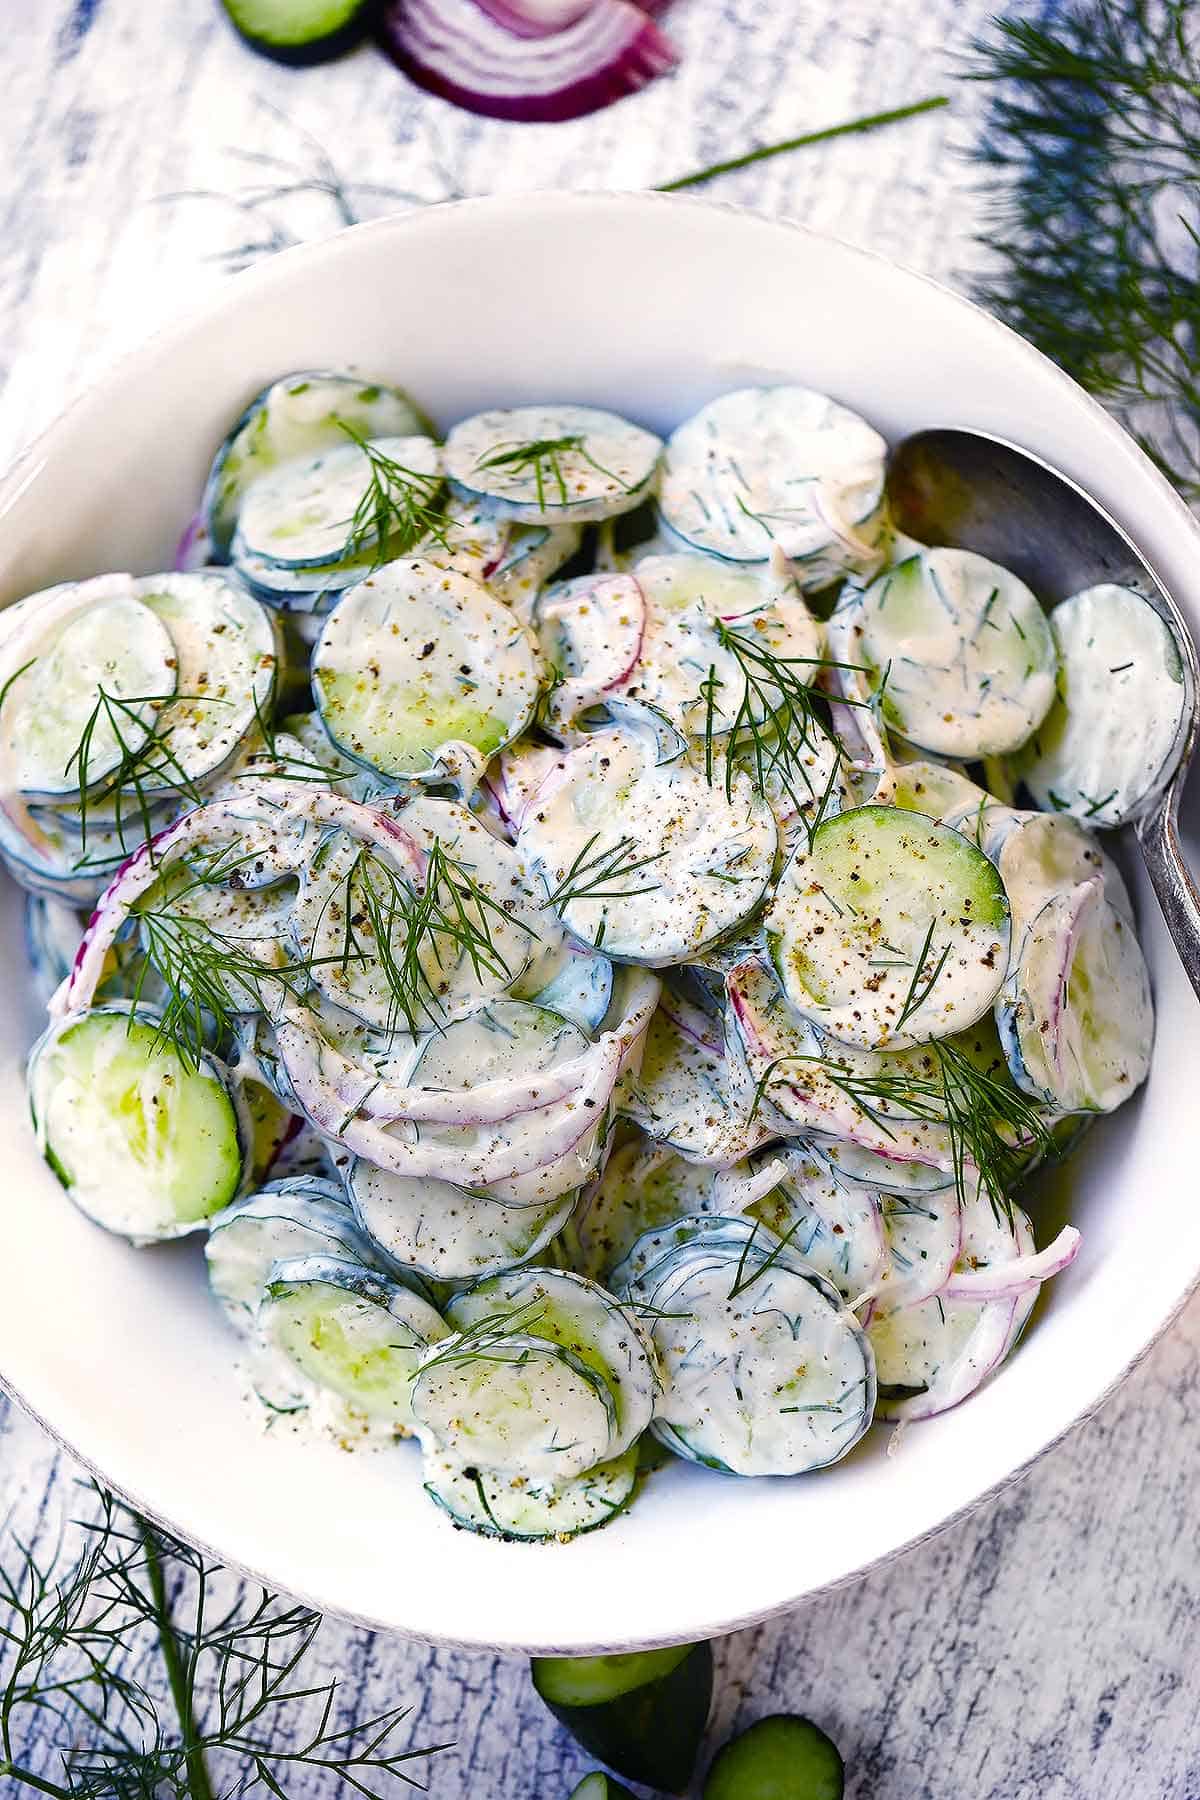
[599,1786]
[325,48]
[779,1758]
[652,1733]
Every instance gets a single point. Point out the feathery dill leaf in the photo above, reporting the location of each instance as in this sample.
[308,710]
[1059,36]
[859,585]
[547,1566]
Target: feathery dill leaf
[227,1711]
[589,875]
[397,511]
[1092,140]
[542,458]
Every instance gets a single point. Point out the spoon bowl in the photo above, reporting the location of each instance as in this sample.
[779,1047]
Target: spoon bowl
[965,490]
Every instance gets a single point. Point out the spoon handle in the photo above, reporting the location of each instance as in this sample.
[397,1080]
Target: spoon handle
[1158,838]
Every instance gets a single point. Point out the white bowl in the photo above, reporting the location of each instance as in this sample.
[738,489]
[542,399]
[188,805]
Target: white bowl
[651,306]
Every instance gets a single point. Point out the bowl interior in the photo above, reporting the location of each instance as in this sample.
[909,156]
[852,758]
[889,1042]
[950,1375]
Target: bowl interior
[650,306]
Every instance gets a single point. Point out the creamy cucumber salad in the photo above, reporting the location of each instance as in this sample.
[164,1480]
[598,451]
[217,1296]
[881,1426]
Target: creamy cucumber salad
[592,932]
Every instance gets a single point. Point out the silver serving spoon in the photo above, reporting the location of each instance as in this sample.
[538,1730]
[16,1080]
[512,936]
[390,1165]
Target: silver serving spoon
[969,491]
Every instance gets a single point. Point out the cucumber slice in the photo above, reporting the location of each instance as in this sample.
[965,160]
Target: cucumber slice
[932,1356]
[45,852]
[599,1786]
[53,930]
[780,1758]
[937,790]
[887,1174]
[581,1317]
[225,645]
[144,1145]
[323,509]
[890,930]
[1043,854]
[683,1096]
[416,660]
[549,464]
[641,857]
[1076,1016]
[349,1331]
[508,1037]
[525,1509]
[531,554]
[969,654]
[836,1226]
[687,671]
[447,1232]
[766,1371]
[296,416]
[522,1406]
[287,1219]
[299,32]
[1112,739]
[643,1714]
[643,1186]
[923,1237]
[271,1124]
[778,469]
[91,695]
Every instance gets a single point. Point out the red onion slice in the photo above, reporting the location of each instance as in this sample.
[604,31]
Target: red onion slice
[1021,1275]
[460,50]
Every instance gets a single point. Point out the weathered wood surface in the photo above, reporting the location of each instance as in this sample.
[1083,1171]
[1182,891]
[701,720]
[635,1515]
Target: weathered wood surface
[1049,1645]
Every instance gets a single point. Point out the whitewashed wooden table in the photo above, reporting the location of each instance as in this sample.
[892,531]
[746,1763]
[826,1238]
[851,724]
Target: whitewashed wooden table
[1047,1646]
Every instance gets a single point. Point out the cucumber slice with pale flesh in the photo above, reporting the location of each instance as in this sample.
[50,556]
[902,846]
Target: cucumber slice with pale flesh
[418,659]
[446,1232]
[90,696]
[590,631]
[349,1331]
[1113,736]
[299,32]
[779,1758]
[683,1094]
[296,416]
[144,1145]
[686,667]
[968,654]
[1076,1015]
[545,464]
[890,930]
[520,1406]
[321,509]
[643,858]
[288,1219]
[780,469]
[642,1186]
[579,1316]
[522,1508]
[766,1371]
[836,1226]
[225,644]
[642,1714]
[1040,855]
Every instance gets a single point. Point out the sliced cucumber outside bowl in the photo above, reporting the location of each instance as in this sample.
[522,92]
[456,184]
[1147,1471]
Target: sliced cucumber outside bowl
[300,32]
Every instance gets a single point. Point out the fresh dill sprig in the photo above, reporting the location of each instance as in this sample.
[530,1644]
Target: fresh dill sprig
[397,510]
[147,769]
[1092,146]
[742,1281]
[870,122]
[777,723]
[923,982]
[992,1127]
[487,1339]
[589,875]
[390,922]
[296,768]
[228,1712]
[542,458]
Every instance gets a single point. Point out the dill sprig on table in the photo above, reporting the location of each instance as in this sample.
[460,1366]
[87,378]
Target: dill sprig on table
[228,1711]
[1092,138]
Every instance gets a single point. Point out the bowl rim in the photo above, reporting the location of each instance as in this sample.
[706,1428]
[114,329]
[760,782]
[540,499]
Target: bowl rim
[277,269]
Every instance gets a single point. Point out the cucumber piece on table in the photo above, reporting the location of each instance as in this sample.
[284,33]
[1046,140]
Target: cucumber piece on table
[780,1758]
[644,1715]
[299,31]
[599,1786]
[143,1144]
